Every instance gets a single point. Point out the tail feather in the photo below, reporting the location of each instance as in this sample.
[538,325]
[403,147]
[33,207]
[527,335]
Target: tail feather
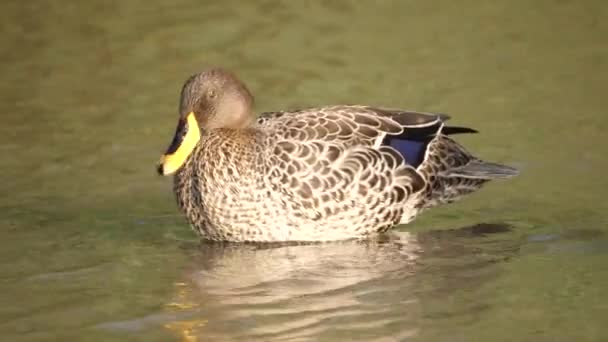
[448,130]
[452,172]
[478,169]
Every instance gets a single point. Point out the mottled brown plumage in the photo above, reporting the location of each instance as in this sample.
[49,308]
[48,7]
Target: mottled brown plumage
[317,174]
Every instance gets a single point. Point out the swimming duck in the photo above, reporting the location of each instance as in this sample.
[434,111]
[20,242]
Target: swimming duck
[317,174]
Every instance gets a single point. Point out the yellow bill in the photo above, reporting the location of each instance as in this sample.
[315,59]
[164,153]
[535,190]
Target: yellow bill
[186,137]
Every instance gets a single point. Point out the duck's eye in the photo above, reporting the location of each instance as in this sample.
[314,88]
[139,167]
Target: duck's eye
[212,94]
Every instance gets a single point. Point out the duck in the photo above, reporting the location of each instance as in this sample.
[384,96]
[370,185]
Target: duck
[308,175]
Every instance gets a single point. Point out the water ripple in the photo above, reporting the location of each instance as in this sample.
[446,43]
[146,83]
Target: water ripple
[354,290]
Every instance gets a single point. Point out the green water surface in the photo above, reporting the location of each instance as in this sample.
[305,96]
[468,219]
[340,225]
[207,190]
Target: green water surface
[92,246]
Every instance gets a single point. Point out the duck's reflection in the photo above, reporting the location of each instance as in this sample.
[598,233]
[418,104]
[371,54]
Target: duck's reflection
[341,290]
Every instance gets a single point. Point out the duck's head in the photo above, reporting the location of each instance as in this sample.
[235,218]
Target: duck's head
[210,100]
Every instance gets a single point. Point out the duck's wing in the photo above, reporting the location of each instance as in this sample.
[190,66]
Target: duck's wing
[330,181]
[331,163]
[349,125]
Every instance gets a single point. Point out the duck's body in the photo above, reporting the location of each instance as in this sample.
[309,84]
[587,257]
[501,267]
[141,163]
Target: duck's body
[322,174]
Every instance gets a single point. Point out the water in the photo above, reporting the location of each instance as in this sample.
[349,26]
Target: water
[91,244]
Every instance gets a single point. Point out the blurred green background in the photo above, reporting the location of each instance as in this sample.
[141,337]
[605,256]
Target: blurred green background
[92,246]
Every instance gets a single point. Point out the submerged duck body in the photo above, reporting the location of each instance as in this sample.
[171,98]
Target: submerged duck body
[317,174]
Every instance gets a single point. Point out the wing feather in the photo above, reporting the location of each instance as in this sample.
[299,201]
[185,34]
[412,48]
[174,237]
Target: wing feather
[328,161]
[349,125]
